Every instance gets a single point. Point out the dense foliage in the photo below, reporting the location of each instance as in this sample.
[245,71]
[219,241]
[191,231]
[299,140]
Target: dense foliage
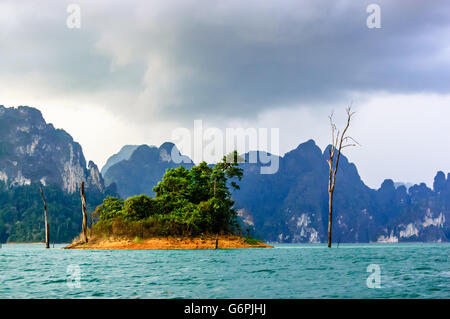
[187,202]
[22,214]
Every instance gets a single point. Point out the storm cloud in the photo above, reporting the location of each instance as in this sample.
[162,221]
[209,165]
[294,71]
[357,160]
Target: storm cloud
[148,66]
[186,59]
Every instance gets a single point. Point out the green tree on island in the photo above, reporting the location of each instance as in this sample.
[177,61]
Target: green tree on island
[187,202]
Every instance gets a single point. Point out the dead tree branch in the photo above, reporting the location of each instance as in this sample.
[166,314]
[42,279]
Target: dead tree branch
[338,142]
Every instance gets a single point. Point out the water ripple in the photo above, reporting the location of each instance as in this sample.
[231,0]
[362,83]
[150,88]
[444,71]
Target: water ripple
[289,271]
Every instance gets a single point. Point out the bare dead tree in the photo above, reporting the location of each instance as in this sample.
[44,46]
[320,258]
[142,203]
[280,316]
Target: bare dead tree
[83,236]
[47,228]
[338,142]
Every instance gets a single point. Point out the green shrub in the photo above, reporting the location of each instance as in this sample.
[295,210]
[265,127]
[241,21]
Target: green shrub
[140,207]
[110,208]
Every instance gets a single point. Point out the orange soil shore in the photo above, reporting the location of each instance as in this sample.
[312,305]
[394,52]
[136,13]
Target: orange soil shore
[230,241]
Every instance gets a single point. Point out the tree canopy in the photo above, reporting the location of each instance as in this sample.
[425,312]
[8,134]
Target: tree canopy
[187,202]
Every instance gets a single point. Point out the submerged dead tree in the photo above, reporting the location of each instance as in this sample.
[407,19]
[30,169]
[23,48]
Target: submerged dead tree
[338,142]
[47,228]
[83,235]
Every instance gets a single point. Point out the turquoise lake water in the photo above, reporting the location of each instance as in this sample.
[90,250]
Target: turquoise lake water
[288,271]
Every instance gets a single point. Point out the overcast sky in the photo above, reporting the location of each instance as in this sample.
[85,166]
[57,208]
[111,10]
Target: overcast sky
[136,70]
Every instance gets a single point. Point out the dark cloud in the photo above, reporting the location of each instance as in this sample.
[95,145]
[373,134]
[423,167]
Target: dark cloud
[327,56]
[191,59]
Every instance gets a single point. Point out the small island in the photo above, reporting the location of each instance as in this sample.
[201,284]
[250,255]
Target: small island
[192,209]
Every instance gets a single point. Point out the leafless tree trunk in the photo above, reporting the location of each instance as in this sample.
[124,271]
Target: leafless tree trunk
[83,236]
[47,228]
[338,142]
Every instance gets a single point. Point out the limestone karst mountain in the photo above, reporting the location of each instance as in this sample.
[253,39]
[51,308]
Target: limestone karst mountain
[33,151]
[34,154]
[288,206]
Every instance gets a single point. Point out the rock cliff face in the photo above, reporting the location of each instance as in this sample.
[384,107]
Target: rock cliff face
[421,214]
[32,151]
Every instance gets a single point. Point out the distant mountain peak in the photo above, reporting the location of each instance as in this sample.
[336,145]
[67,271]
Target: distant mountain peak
[143,168]
[309,142]
[124,154]
[167,146]
[165,152]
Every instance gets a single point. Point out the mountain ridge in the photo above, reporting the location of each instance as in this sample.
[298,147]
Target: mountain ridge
[288,206]
[292,204]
